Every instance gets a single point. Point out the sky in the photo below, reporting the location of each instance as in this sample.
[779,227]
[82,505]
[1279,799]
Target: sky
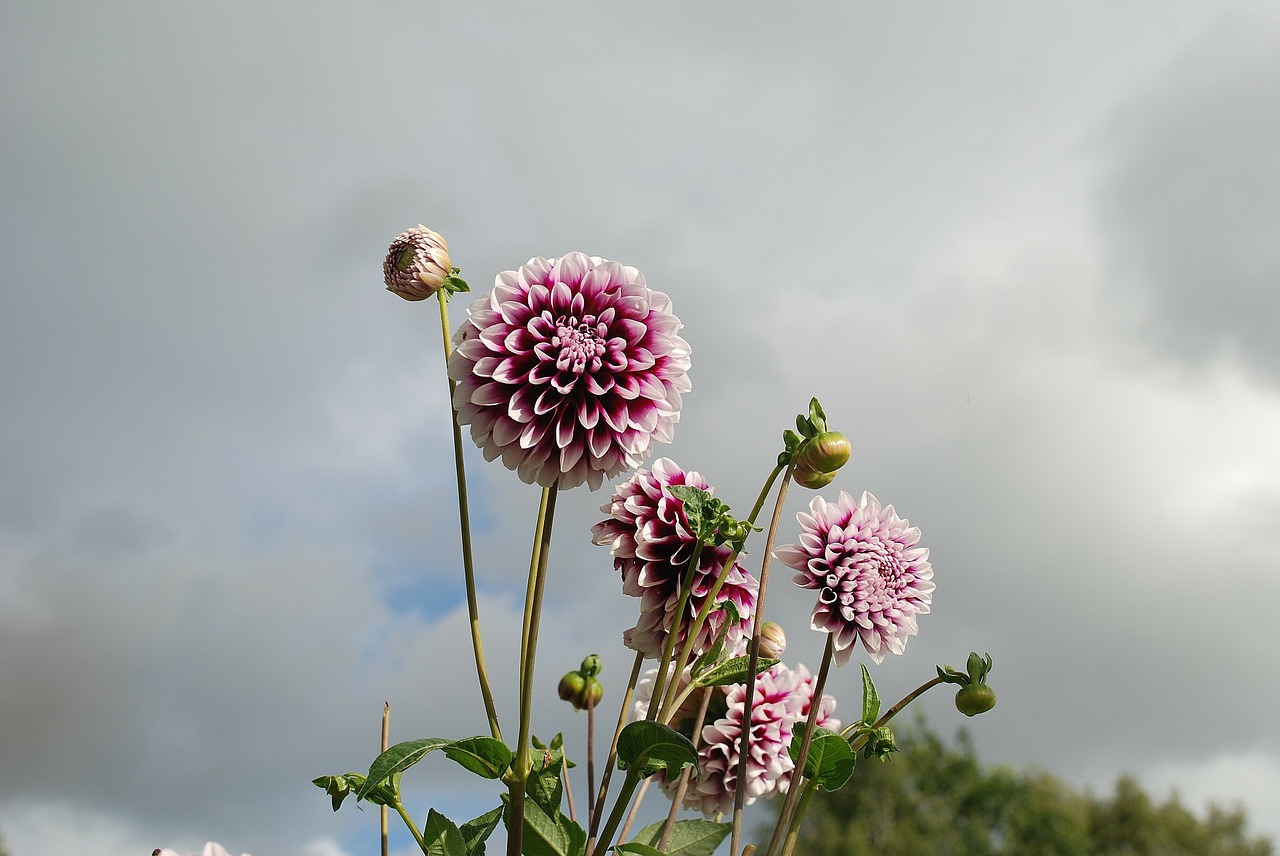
[1025,256]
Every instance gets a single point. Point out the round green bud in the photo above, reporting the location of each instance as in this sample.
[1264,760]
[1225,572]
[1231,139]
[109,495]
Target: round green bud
[579,690]
[974,699]
[812,480]
[825,453]
[591,665]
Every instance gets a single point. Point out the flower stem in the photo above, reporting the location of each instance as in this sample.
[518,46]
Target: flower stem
[677,799]
[591,746]
[740,793]
[793,829]
[464,523]
[408,821]
[635,809]
[386,733]
[615,817]
[669,644]
[797,777]
[528,654]
[709,601]
[597,810]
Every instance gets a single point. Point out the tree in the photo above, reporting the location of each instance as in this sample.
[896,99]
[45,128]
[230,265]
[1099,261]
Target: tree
[935,799]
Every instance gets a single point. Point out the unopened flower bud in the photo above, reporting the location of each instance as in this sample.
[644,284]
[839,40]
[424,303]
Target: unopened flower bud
[590,666]
[772,640]
[824,453]
[576,688]
[417,263]
[812,480]
[974,699]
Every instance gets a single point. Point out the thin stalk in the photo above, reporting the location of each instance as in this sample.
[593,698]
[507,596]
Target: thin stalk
[568,791]
[793,830]
[683,785]
[591,746]
[408,821]
[528,655]
[669,644]
[709,602]
[464,524]
[615,817]
[386,733]
[797,777]
[740,794]
[635,809]
[597,810]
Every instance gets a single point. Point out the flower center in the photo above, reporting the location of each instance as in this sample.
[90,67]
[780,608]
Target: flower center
[579,344]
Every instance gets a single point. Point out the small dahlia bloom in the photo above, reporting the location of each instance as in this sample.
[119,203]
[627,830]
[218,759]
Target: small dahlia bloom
[417,263]
[782,698]
[569,369]
[649,536]
[871,578]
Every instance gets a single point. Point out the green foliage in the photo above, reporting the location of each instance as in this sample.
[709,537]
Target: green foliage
[688,838]
[934,798]
[652,747]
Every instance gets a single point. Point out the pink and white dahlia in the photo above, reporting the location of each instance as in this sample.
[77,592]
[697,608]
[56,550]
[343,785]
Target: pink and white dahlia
[871,578]
[569,369]
[417,263]
[782,698]
[649,536]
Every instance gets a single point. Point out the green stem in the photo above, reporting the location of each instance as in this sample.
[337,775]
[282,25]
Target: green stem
[793,830]
[669,644]
[619,807]
[597,810]
[464,522]
[709,602]
[528,655]
[740,793]
[797,776]
[677,799]
[408,821]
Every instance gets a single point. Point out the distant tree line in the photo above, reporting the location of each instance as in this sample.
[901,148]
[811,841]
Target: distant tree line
[935,799]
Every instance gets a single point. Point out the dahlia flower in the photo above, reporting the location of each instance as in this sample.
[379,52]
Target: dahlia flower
[652,545]
[569,369]
[871,578]
[782,699]
[417,263]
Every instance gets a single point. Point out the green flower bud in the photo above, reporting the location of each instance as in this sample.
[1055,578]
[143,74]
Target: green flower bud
[577,688]
[812,480]
[825,453]
[974,699]
[590,666]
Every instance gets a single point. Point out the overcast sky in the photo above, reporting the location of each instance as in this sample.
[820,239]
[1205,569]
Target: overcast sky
[1026,257]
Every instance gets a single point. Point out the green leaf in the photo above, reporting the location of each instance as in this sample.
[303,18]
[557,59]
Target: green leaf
[474,832]
[870,698]
[544,785]
[708,659]
[693,500]
[397,759]
[688,837]
[440,837]
[338,787]
[654,747]
[733,671]
[546,837]
[830,761]
[638,849]
[483,756]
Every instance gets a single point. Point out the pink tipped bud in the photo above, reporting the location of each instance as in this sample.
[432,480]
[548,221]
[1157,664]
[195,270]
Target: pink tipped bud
[417,263]
[772,640]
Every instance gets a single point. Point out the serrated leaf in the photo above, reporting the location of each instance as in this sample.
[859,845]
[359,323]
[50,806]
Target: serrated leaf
[733,671]
[483,756]
[830,761]
[544,785]
[688,837]
[546,837]
[870,698]
[654,747]
[637,849]
[475,832]
[440,837]
[397,759]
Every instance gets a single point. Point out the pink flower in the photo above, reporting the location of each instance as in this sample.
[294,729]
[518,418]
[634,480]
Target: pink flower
[569,369]
[649,537]
[782,698]
[872,579]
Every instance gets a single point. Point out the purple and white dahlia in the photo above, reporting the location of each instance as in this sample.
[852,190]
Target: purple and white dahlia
[569,369]
[782,698]
[651,543]
[871,578]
